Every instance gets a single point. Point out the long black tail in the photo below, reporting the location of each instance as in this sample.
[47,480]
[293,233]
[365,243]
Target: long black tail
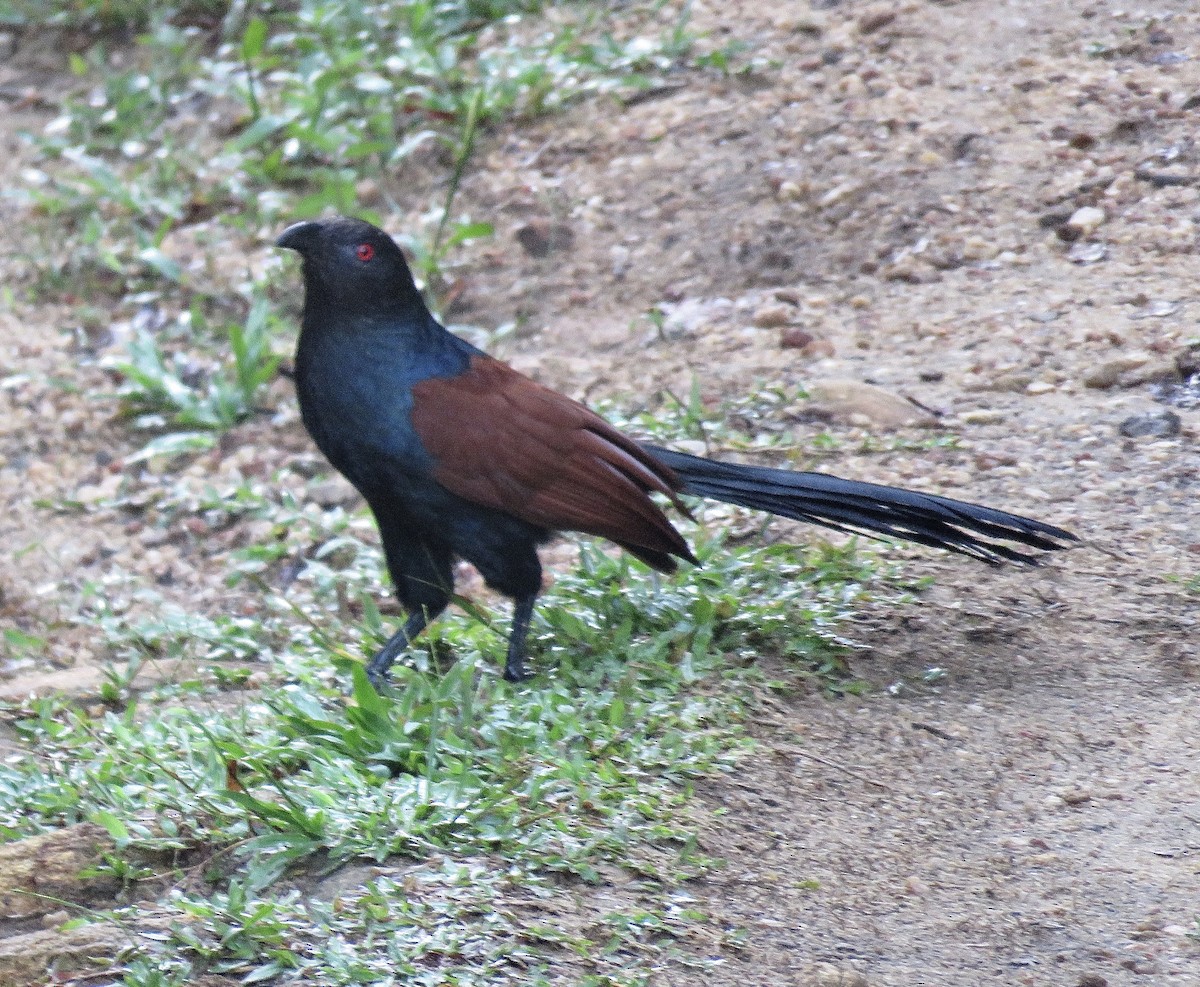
[851,506]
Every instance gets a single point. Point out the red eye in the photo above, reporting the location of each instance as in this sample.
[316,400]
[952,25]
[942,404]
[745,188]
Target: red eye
[364,252]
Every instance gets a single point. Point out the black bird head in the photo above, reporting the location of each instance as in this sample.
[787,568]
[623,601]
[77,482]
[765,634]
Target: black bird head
[353,269]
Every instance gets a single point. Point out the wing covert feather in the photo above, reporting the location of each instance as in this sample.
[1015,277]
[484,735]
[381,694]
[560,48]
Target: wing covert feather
[501,440]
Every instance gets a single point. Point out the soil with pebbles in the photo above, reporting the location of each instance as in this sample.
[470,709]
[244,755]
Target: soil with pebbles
[988,210]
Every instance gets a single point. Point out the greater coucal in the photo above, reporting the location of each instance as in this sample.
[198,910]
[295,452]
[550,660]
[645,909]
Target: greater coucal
[461,457]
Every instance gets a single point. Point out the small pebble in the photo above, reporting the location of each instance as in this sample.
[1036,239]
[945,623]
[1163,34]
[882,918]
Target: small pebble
[990,461]
[773,315]
[1085,221]
[1107,374]
[982,416]
[1015,381]
[828,975]
[876,18]
[540,237]
[795,338]
[818,348]
[1087,253]
[1159,424]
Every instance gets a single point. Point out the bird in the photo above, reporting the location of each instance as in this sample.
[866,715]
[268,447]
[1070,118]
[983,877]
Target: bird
[461,457]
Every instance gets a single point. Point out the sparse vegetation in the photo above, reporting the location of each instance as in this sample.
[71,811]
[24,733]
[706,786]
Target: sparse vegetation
[474,798]
[259,117]
[187,403]
[642,689]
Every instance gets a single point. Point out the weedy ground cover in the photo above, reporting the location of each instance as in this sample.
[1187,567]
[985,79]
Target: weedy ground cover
[229,795]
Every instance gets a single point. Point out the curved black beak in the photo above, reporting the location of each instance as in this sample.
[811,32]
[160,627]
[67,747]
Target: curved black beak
[298,236]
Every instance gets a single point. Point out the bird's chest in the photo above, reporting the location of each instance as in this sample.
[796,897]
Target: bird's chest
[356,403]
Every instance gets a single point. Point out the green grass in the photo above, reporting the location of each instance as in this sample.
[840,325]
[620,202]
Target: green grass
[496,791]
[487,808]
[187,404]
[105,15]
[283,116]
[224,122]
[762,421]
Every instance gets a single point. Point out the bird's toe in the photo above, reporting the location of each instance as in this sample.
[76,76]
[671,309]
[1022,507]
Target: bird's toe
[517,672]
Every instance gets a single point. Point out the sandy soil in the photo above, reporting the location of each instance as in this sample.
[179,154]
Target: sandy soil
[899,199]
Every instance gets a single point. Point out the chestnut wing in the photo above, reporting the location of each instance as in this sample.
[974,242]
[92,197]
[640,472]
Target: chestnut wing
[503,441]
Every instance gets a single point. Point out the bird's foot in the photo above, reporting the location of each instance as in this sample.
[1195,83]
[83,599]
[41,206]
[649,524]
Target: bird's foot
[517,671]
[377,671]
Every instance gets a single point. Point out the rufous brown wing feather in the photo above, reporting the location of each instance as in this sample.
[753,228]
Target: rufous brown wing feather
[503,441]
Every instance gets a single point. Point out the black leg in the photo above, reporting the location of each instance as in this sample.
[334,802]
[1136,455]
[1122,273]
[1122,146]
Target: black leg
[504,551]
[398,643]
[424,581]
[515,669]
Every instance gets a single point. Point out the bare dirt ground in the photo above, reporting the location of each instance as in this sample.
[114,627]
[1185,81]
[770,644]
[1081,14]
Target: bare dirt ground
[894,196]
